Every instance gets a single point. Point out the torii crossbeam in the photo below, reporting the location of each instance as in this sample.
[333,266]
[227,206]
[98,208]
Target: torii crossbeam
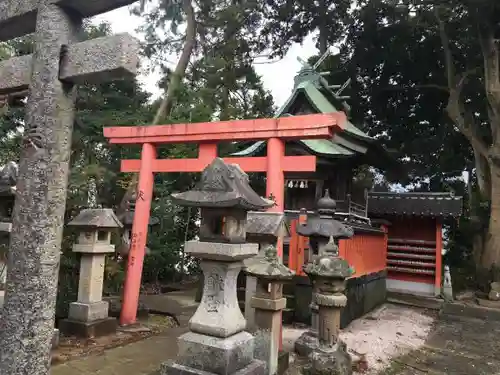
[207,135]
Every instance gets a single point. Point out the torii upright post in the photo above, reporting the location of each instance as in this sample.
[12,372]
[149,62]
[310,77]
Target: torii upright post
[275,164]
[59,62]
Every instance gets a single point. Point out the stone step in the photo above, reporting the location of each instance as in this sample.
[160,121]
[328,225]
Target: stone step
[470,311]
[407,299]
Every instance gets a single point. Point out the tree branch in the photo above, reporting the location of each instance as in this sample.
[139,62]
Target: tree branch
[463,119]
[448,56]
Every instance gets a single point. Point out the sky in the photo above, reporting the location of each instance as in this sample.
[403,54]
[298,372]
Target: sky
[277,76]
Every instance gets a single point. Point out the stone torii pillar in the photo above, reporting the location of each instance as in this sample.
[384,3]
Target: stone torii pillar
[50,74]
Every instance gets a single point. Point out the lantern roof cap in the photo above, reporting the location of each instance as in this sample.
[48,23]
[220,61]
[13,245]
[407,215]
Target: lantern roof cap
[96,218]
[326,205]
[329,265]
[223,186]
[270,267]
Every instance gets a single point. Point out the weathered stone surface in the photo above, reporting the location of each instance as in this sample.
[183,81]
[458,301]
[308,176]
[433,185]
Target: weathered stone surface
[330,300]
[92,61]
[447,286]
[219,314]
[306,343]
[91,279]
[267,304]
[18,18]
[323,225]
[223,185]
[331,361]
[212,354]
[43,175]
[93,249]
[15,74]
[40,203]
[101,59]
[494,294]
[88,312]
[268,338]
[250,287]
[265,225]
[254,368]
[96,328]
[221,251]
[95,217]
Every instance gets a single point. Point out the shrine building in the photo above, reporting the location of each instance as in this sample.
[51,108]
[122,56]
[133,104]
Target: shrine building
[397,244]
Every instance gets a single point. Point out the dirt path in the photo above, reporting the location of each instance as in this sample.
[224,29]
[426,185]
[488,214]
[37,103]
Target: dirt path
[142,357]
[458,345]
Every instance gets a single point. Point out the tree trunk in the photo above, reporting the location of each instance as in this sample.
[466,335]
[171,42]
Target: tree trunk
[175,81]
[491,254]
[182,64]
[482,174]
[323,28]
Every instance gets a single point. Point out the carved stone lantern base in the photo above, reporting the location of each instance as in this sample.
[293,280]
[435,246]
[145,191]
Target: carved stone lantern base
[332,360]
[217,342]
[201,353]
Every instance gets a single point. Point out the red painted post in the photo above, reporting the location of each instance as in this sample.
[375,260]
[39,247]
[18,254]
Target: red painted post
[275,186]
[207,152]
[139,236]
[439,255]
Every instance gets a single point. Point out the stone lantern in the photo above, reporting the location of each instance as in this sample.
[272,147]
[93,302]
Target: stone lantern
[127,219]
[88,317]
[320,228]
[329,273]
[264,228]
[268,303]
[217,342]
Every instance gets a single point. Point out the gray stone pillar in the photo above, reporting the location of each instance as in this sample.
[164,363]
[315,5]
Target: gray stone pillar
[88,316]
[217,342]
[264,228]
[268,303]
[447,287]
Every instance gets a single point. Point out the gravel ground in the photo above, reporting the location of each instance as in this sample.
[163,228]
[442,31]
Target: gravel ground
[387,332]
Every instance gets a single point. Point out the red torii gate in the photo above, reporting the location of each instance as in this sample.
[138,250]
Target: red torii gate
[207,135]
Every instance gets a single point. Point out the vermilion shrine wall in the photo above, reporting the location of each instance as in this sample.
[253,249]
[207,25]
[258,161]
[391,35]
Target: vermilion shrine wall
[366,289]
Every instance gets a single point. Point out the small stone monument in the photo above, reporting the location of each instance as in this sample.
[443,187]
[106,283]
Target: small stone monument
[217,342]
[127,219]
[329,273]
[319,228]
[268,303]
[88,317]
[447,286]
[264,228]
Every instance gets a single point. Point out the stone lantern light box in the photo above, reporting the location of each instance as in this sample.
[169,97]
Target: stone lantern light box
[224,197]
[88,316]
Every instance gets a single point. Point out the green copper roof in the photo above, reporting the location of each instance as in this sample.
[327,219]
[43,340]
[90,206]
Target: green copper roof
[320,103]
[313,88]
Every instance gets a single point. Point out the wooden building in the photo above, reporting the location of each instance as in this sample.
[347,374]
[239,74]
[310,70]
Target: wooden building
[374,251]
[415,237]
